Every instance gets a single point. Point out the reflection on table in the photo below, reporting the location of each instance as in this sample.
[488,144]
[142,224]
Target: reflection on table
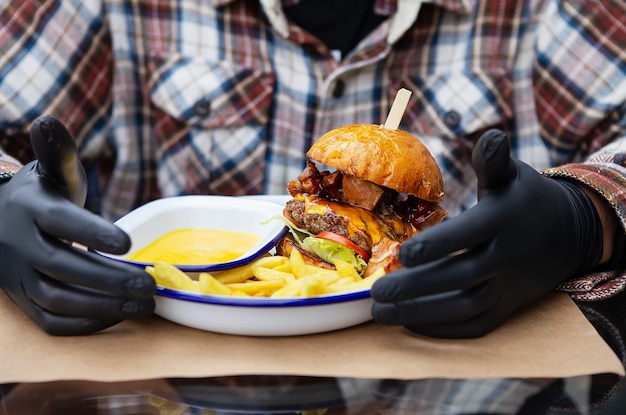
[304,395]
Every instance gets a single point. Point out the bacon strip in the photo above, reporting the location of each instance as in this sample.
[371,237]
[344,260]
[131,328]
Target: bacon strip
[359,192]
[339,187]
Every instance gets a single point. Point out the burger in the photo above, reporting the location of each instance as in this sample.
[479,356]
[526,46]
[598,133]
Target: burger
[365,189]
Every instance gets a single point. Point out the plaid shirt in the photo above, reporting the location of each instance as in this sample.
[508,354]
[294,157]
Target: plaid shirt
[225,96]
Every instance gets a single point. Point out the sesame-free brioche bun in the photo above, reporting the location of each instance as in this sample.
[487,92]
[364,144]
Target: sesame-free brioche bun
[391,158]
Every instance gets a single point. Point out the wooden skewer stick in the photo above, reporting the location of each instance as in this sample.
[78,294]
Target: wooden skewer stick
[397,109]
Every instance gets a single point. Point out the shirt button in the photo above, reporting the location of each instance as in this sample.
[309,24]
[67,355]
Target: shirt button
[202,108]
[339,88]
[452,119]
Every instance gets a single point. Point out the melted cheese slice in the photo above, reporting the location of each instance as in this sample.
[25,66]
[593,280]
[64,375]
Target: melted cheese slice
[360,220]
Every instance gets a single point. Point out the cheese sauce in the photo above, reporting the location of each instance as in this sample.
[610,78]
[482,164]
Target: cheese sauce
[196,246]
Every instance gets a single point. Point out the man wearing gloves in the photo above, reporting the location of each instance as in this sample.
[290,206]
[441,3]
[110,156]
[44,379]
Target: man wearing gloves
[521,103]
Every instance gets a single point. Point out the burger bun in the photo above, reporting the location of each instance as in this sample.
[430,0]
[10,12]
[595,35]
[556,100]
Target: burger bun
[390,158]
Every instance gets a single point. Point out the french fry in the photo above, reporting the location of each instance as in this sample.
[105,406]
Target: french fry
[369,281]
[343,281]
[328,275]
[169,276]
[298,267]
[344,269]
[257,288]
[245,272]
[311,286]
[286,267]
[270,262]
[208,284]
[293,289]
[345,286]
[237,293]
[269,274]
[234,275]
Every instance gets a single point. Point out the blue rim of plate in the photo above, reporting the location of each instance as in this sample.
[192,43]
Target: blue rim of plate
[223,265]
[262,302]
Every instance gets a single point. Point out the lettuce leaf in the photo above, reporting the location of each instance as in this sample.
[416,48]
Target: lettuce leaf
[329,251]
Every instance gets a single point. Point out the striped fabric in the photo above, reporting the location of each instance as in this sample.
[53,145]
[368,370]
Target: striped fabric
[225,96]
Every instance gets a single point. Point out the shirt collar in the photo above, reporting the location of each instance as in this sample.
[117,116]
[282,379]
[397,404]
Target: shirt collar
[388,7]
[405,10]
[385,6]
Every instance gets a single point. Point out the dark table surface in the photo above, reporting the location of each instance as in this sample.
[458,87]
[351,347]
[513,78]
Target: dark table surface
[599,394]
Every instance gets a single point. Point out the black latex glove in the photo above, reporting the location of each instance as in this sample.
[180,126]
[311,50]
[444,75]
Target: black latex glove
[64,289]
[468,274]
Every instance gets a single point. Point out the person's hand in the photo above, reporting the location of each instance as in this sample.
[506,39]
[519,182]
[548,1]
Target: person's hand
[467,275]
[65,289]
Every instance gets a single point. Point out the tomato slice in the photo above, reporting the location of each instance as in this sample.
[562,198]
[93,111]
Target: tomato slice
[331,236]
[287,215]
